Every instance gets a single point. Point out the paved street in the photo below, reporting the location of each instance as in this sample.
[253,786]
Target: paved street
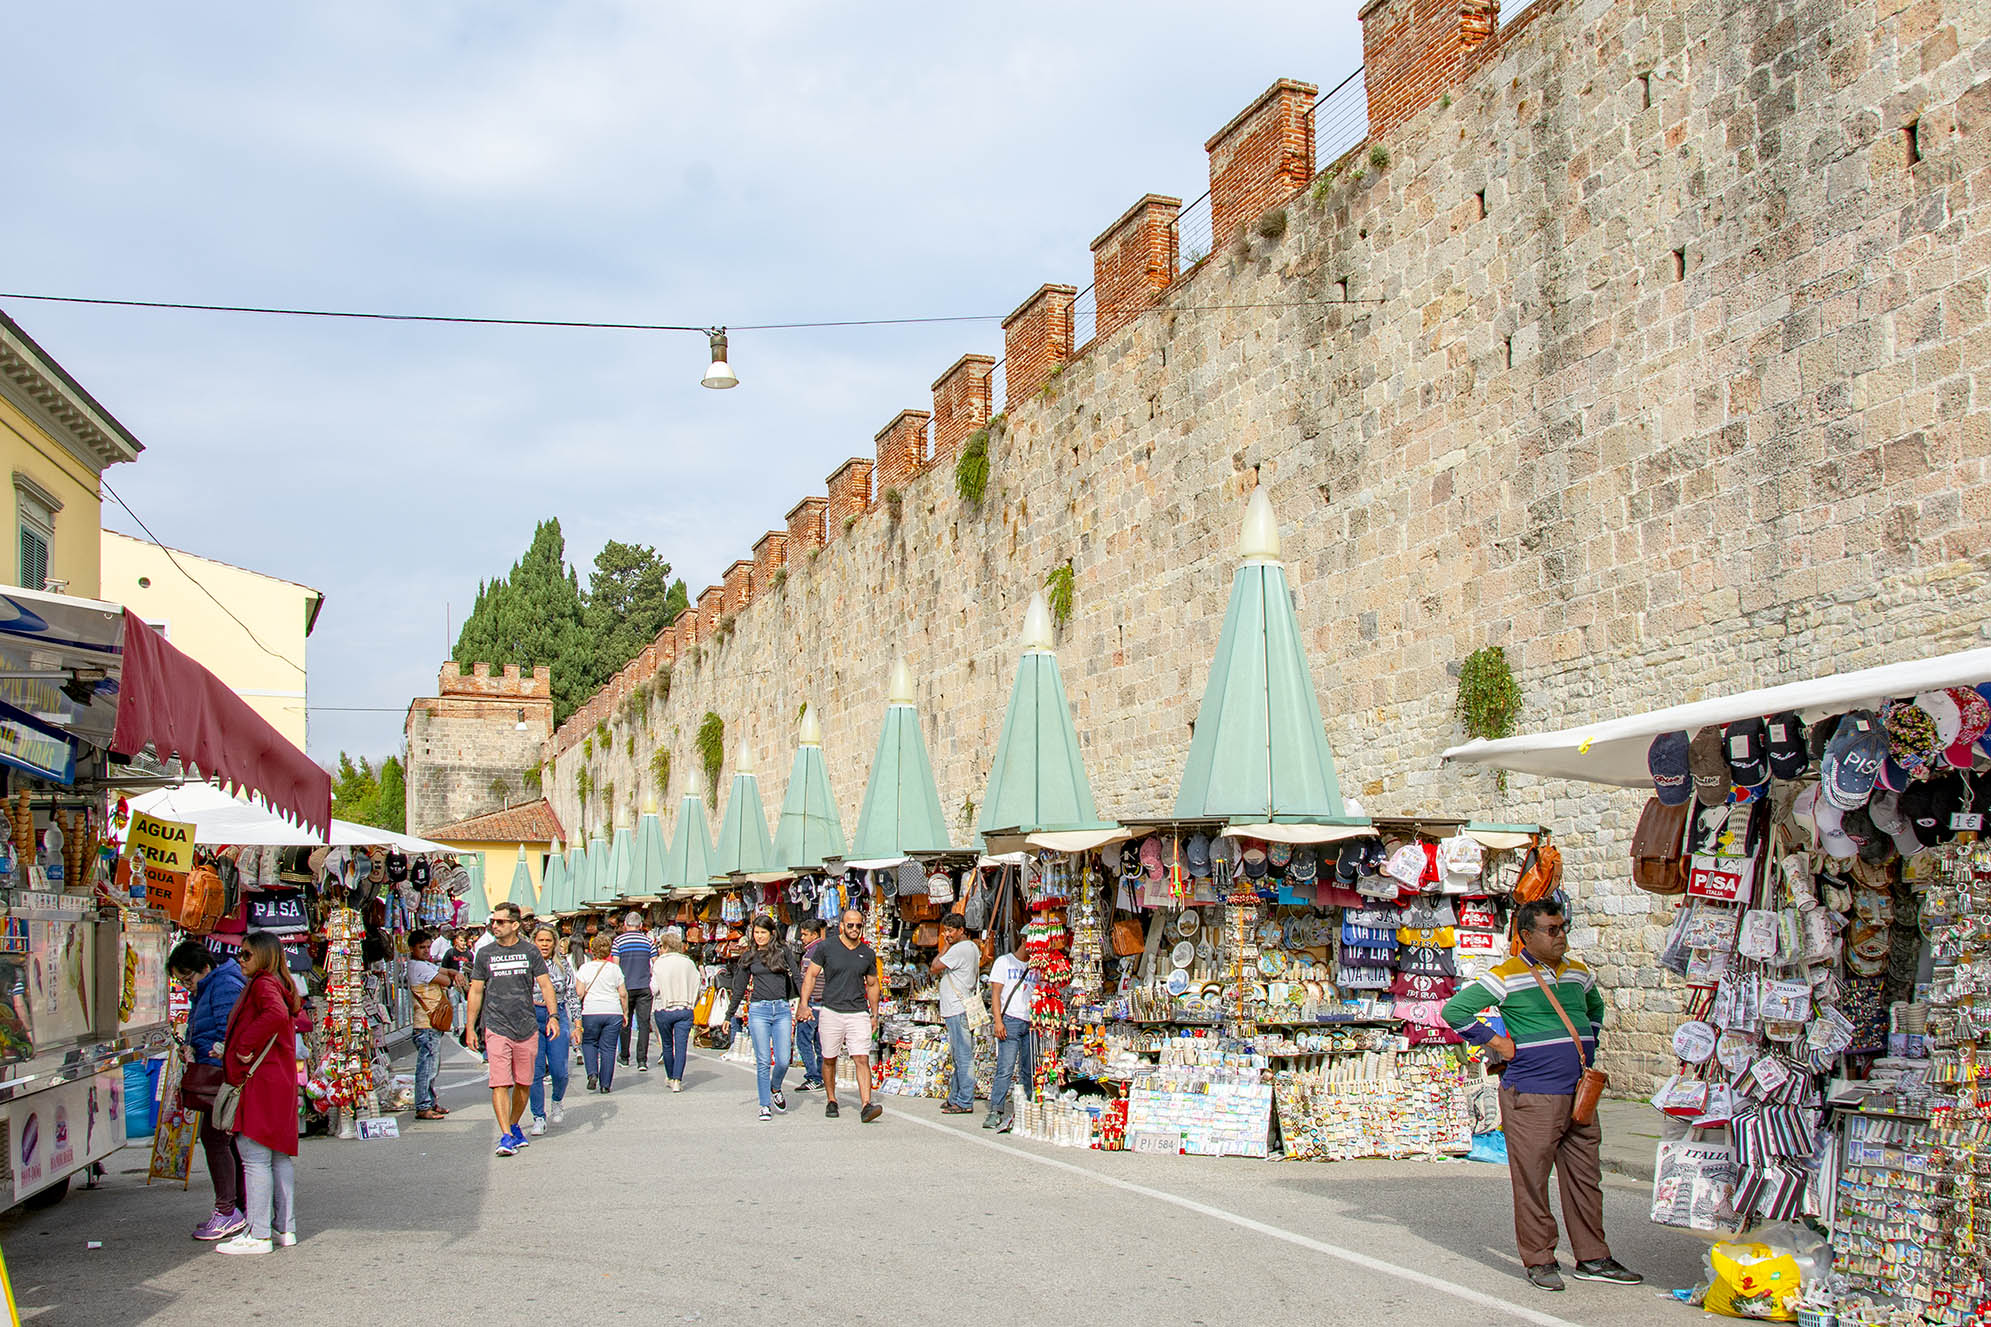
[653,1207]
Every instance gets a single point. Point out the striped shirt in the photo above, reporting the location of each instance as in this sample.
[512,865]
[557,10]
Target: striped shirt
[634,950]
[1545,1060]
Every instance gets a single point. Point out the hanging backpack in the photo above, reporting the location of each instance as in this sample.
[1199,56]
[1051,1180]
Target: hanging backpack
[202,903]
[1659,858]
[1541,872]
[975,911]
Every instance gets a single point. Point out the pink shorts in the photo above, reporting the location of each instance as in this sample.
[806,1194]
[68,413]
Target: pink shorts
[840,1034]
[511,1062]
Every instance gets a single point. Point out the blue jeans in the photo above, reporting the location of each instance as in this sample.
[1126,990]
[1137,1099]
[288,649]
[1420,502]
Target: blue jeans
[428,1059]
[674,1038]
[601,1037]
[770,1023]
[809,1041]
[556,1059]
[1017,1049]
[961,1044]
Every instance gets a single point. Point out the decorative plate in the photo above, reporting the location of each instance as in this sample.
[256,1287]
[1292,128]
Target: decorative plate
[1294,933]
[1212,991]
[1268,934]
[1271,963]
[1187,922]
[1178,982]
[1183,954]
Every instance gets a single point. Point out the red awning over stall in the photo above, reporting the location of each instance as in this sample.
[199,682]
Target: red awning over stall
[172,704]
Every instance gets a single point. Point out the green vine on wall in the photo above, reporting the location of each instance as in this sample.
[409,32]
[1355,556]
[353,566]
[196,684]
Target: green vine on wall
[711,744]
[1489,699]
[583,785]
[1058,592]
[660,770]
[971,472]
[587,748]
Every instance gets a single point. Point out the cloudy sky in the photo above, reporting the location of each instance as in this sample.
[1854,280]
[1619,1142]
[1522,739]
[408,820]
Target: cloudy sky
[622,160]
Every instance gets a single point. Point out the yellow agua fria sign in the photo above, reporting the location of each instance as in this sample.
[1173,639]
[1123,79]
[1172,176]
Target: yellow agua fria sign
[162,855]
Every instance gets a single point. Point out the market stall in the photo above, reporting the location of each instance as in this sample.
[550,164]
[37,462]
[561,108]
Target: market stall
[1831,939]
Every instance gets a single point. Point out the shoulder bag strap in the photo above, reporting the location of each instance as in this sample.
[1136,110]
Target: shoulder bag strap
[1582,1056]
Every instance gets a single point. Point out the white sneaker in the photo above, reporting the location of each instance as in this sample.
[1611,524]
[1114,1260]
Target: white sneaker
[557,1114]
[676,1085]
[538,1125]
[244,1243]
[284,1238]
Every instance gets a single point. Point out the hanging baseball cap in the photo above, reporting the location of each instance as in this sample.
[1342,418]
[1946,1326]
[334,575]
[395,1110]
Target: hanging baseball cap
[1705,763]
[1852,762]
[1198,856]
[1858,825]
[1254,863]
[1832,838]
[1348,862]
[1667,759]
[1786,738]
[1926,810]
[1888,818]
[1912,738]
[1303,870]
[1746,747]
[1279,855]
[1974,719]
[1942,707]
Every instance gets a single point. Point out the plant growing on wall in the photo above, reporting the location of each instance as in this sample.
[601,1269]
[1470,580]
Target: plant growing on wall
[971,471]
[630,746]
[583,785]
[601,733]
[1058,592]
[660,770]
[535,781]
[588,748]
[608,803]
[895,504]
[967,813]
[711,744]
[1273,224]
[501,790]
[1379,156]
[779,579]
[1489,698]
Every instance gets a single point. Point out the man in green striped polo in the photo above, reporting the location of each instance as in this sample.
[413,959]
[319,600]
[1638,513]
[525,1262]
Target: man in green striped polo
[1538,1088]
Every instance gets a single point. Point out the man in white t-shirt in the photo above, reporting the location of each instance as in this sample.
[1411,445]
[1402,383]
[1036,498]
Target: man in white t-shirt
[959,968]
[1012,990]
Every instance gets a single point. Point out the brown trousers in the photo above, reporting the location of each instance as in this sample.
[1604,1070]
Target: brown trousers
[1541,1137]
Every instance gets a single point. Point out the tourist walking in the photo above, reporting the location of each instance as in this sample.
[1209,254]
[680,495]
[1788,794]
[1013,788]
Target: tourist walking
[428,992]
[502,1014]
[556,1053]
[845,969]
[604,1010]
[674,985]
[806,1043]
[764,991]
[959,967]
[1012,991]
[260,1058]
[216,987]
[1552,1010]
[637,953]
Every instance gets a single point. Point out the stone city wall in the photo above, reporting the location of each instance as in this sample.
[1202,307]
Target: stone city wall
[1659,367]
[465,740]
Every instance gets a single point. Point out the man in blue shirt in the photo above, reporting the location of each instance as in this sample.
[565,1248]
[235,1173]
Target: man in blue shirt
[635,951]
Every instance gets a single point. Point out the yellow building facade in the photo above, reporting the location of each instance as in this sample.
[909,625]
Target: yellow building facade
[259,651]
[56,442]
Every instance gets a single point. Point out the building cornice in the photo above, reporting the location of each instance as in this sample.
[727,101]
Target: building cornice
[42,389]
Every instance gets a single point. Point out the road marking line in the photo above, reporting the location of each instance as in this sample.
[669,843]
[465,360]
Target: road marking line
[1351,1256]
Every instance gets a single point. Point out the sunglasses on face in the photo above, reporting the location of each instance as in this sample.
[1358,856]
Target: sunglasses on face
[1560,928]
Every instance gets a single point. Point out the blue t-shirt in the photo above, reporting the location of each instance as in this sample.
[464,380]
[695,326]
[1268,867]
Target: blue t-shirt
[634,952]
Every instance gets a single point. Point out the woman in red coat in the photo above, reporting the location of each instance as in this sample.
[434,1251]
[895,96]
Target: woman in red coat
[260,1056]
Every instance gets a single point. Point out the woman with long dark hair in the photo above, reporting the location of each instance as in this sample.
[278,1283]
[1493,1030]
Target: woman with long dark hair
[764,989]
[216,987]
[260,1057]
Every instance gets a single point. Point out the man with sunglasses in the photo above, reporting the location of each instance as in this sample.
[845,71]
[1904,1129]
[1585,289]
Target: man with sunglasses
[845,968]
[502,978]
[1538,1089]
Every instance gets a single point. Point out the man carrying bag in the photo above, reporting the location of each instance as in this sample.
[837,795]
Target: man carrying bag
[1548,1093]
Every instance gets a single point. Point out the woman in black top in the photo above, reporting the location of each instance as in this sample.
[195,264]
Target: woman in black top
[765,985]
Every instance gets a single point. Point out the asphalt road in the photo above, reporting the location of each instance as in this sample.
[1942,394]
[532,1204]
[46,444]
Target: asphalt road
[652,1207]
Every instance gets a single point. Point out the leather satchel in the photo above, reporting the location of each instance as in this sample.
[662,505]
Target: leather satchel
[1129,937]
[198,1086]
[1590,1087]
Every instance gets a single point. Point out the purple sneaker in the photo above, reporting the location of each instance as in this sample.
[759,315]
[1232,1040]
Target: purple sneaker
[220,1225]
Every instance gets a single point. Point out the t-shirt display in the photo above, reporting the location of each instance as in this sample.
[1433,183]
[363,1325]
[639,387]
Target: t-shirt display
[509,972]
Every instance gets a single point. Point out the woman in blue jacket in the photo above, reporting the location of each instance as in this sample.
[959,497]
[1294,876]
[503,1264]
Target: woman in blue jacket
[216,987]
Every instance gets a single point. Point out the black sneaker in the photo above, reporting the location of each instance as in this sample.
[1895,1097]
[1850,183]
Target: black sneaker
[622,1059]
[1606,1269]
[829,1110]
[1545,1277]
[780,1104]
[871,1113]
[594,1084]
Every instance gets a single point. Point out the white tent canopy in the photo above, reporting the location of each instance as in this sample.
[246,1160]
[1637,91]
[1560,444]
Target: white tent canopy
[218,817]
[1613,751]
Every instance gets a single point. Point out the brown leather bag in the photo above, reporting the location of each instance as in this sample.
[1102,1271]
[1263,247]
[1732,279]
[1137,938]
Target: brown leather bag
[1129,937]
[1590,1087]
[1541,872]
[927,935]
[918,908]
[1659,859]
[203,901]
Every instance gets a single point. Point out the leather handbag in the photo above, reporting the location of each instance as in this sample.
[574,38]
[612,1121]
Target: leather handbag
[1129,937]
[441,1013]
[198,1086]
[1590,1087]
[228,1097]
[926,935]
[1541,872]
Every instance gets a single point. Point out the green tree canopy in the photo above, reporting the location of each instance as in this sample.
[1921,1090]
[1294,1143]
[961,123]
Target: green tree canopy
[367,796]
[538,614]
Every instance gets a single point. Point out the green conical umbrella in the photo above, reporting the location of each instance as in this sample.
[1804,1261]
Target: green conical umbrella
[476,904]
[1259,750]
[810,830]
[648,857]
[744,846]
[553,887]
[596,878]
[521,891]
[1038,781]
[618,862]
[901,812]
[689,865]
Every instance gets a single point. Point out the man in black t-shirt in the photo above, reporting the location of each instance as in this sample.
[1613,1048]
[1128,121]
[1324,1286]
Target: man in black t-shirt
[846,970]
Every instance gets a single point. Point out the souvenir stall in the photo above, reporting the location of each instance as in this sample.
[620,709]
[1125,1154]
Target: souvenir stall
[1039,802]
[1831,935]
[88,927]
[695,905]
